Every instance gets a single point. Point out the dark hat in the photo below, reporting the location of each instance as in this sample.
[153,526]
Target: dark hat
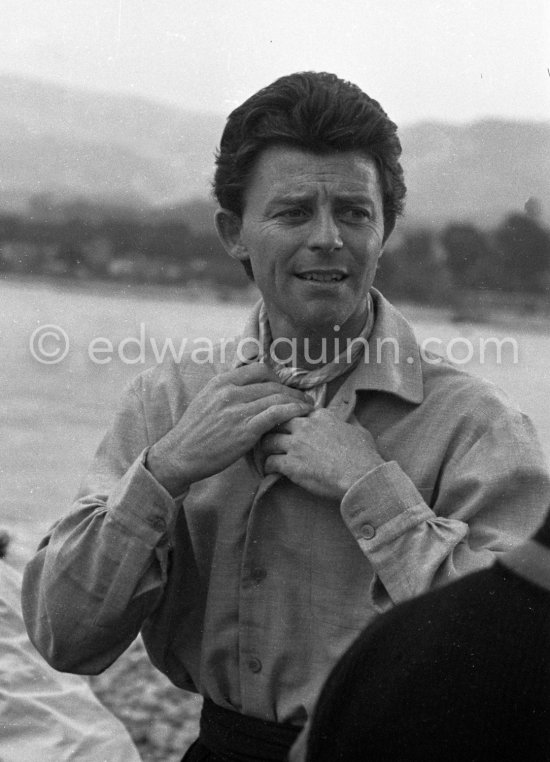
[543,533]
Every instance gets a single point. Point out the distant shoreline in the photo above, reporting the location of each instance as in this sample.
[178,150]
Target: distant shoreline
[194,291]
[498,311]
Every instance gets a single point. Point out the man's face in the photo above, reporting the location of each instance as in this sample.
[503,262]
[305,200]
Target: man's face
[313,229]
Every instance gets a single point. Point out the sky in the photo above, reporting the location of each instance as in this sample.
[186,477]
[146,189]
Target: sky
[422,59]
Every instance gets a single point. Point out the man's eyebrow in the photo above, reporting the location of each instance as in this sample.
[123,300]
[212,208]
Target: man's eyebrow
[350,196]
[354,197]
[293,197]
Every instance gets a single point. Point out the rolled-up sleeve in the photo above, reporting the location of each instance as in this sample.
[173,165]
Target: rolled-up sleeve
[102,568]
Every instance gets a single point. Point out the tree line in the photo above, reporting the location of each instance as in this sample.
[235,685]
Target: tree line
[424,264]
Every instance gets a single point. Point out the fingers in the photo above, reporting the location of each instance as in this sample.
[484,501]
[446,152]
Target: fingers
[270,388]
[280,398]
[274,464]
[276,414]
[255,381]
[256,372]
[293,424]
[273,444]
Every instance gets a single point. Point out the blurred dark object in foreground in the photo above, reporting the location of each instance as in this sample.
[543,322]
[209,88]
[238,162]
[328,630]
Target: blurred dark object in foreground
[4,542]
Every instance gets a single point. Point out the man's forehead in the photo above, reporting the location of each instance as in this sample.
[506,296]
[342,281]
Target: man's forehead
[296,188]
[292,172]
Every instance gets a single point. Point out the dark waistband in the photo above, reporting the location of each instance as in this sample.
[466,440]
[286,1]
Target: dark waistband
[238,738]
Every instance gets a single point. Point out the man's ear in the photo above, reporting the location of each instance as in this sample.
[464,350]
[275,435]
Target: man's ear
[229,227]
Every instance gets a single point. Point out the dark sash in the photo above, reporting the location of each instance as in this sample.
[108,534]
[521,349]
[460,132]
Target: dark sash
[238,738]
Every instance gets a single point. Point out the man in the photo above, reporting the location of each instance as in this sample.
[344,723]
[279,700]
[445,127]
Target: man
[251,517]
[461,673]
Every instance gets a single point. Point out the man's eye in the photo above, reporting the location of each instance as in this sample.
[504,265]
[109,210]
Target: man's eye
[355,214]
[296,213]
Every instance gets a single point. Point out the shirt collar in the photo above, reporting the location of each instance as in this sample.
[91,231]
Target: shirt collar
[394,363]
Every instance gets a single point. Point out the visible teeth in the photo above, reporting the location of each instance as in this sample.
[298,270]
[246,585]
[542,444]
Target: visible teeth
[322,277]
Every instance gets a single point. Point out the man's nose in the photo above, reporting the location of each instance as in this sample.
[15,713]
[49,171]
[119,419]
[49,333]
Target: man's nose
[324,233]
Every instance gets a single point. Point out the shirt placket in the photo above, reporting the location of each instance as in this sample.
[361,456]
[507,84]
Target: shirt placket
[255,568]
[258,571]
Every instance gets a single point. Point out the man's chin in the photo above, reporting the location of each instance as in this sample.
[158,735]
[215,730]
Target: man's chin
[321,321]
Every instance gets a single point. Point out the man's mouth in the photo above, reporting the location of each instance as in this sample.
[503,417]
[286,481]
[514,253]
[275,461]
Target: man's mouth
[322,276]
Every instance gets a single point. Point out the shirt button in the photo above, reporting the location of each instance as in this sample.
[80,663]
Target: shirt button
[258,574]
[254,665]
[368,531]
[157,524]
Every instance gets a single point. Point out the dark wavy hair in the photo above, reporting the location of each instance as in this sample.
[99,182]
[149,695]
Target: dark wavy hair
[317,112]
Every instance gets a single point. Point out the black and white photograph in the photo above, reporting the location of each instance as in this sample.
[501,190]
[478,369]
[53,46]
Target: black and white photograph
[275,333]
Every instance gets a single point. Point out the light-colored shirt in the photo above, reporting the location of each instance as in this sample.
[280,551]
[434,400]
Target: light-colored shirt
[250,589]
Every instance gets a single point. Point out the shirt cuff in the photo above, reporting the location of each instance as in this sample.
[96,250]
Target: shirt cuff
[142,505]
[383,504]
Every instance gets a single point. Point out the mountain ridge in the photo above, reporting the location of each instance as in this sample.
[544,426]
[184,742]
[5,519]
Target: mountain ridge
[74,143]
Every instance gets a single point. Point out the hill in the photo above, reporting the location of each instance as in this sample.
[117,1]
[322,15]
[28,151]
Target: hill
[478,171]
[74,143]
[71,143]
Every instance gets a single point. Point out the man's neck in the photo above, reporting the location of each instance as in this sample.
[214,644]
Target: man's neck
[311,349]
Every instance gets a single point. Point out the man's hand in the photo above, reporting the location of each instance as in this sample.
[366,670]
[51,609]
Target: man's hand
[222,423]
[321,453]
